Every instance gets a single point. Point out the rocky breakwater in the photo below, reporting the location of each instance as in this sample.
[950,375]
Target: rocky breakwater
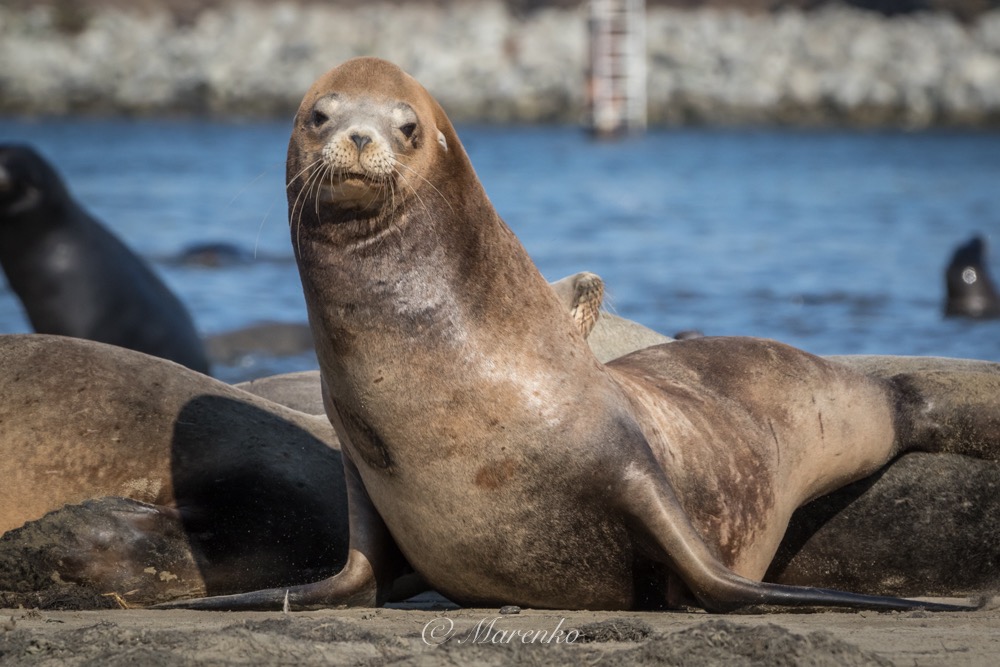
[831,66]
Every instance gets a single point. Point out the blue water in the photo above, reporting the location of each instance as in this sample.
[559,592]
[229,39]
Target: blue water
[833,241]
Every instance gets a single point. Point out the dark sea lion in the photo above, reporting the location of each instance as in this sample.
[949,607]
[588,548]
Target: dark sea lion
[258,487]
[971,292]
[74,277]
[101,553]
[484,444]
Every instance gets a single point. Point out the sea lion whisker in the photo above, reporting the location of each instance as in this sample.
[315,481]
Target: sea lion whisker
[302,188]
[416,195]
[424,179]
[298,207]
[413,190]
[327,172]
[267,213]
[304,169]
[260,228]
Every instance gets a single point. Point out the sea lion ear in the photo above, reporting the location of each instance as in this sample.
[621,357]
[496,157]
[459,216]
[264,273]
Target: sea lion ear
[442,140]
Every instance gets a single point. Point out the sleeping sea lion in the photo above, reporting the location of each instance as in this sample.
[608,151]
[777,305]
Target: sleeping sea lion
[257,487]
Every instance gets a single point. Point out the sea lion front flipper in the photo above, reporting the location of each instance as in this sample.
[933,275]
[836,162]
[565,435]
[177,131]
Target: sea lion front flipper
[653,506]
[582,294]
[373,564]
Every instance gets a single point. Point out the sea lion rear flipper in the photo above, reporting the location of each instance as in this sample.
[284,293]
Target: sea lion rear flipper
[652,504]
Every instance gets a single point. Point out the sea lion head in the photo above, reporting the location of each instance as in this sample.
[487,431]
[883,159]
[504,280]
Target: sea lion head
[27,182]
[970,288]
[367,138]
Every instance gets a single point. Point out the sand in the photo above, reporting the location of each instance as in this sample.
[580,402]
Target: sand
[427,632]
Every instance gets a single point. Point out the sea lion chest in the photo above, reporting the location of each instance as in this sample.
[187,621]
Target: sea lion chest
[487,484]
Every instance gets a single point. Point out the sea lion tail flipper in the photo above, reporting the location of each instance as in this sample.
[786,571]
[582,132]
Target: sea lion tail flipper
[652,503]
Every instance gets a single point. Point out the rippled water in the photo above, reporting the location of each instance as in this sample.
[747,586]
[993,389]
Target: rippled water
[833,241]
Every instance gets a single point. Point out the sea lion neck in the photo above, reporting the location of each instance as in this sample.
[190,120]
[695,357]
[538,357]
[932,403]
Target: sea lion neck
[438,273]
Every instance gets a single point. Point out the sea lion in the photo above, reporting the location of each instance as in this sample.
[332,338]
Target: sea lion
[925,525]
[106,551]
[74,277]
[103,550]
[300,390]
[970,290]
[484,444]
[258,487]
[274,339]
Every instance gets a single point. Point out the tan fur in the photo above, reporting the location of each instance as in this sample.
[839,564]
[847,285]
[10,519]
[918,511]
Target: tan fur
[81,420]
[486,446]
[73,429]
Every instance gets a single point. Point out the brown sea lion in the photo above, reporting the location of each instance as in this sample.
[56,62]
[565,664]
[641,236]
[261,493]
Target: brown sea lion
[258,487]
[486,446]
[582,295]
[299,390]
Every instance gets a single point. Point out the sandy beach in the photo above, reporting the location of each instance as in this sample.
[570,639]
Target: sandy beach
[427,633]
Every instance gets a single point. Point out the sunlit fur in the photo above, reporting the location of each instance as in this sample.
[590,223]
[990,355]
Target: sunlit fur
[359,159]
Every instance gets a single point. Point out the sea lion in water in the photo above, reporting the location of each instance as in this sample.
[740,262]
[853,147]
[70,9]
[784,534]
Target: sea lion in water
[74,277]
[971,292]
[258,487]
[486,446]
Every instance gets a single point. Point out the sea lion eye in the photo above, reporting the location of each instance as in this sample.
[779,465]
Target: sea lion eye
[318,117]
[408,129]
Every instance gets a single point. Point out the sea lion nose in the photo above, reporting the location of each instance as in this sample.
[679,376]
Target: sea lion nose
[361,140]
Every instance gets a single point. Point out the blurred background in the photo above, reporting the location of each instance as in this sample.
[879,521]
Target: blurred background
[797,169]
